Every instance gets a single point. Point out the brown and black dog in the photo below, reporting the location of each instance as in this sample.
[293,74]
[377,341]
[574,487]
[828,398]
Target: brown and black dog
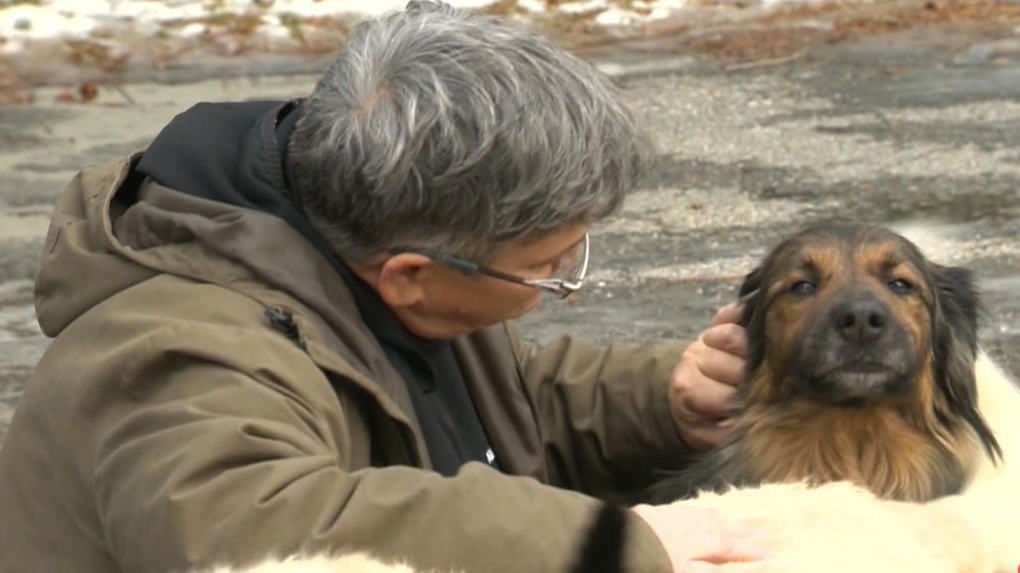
[860,367]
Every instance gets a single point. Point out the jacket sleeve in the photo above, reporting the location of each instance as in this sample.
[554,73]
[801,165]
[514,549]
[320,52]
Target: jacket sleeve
[603,412]
[206,458]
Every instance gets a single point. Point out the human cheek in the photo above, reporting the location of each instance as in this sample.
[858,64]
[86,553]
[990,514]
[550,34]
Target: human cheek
[529,304]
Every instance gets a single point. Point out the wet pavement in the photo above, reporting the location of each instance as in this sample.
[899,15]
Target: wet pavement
[917,129]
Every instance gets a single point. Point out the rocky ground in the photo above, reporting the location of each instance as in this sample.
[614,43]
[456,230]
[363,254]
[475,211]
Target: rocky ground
[763,128]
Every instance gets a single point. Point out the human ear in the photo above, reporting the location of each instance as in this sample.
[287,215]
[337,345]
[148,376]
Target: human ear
[401,279]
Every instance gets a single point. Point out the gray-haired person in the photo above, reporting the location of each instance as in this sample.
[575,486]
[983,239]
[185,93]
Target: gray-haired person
[285,327]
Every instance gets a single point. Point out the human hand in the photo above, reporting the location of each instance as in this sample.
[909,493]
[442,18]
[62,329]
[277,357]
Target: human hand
[699,539]
[706,378]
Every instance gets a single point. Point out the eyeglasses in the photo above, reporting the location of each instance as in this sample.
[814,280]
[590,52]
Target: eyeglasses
[561,287]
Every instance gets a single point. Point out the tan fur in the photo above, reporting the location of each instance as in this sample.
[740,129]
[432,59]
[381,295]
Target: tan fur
[803,443]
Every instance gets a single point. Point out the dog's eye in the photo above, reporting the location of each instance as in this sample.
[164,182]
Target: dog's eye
[900,286]
[803,287]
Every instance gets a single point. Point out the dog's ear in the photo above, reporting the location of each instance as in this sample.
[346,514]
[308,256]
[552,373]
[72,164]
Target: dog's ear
[752,282]
[749,294]
[954,342]
[752,317]
[959,302]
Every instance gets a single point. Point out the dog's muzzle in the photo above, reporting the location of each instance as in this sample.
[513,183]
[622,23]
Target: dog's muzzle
[856,352]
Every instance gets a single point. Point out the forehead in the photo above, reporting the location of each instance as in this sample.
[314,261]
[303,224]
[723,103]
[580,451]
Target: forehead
[872,251]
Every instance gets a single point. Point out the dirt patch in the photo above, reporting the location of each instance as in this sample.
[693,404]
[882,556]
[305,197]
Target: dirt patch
[736,32]
[798,29]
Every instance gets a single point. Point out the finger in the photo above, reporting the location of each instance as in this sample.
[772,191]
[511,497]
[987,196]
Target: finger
[730,338]
[737,529]
[707,435]
[739,550]
[698,567]
[712,401]
[727,314]
[721,367]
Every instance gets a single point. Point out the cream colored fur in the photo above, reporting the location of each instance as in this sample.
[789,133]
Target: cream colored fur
[840,528]
[990,505]
[834,528]
[352,563]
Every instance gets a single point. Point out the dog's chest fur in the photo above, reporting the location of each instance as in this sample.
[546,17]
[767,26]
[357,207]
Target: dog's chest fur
[877,447]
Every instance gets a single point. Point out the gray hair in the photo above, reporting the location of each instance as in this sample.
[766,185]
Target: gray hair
[440,129]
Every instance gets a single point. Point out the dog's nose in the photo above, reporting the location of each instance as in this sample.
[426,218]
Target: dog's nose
[859,321]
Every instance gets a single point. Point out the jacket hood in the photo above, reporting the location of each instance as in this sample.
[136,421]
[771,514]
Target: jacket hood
[234,154]
[207,201]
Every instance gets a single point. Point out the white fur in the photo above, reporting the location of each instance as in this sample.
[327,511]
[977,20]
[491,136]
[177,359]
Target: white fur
[990,505]
[841,528]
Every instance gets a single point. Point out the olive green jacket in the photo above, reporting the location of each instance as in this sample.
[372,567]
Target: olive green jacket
[170,425]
